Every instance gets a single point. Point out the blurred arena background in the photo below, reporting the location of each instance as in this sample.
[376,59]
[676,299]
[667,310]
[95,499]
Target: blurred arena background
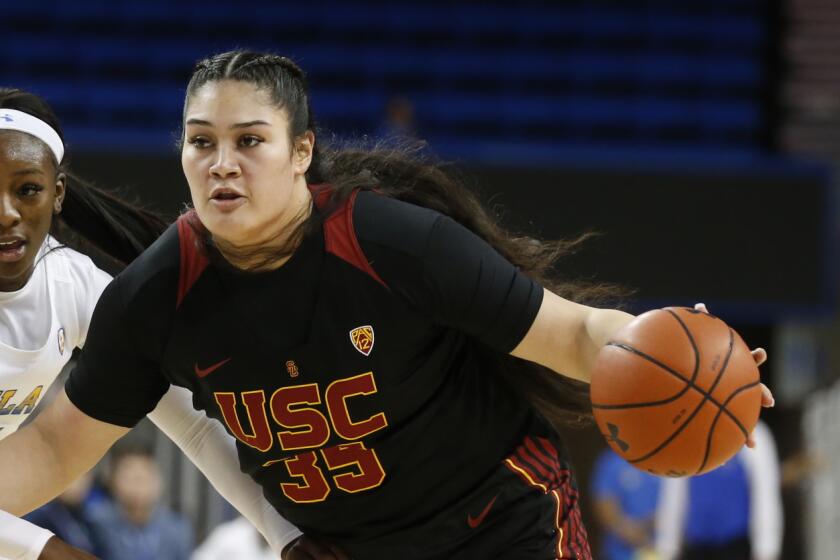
[700,137]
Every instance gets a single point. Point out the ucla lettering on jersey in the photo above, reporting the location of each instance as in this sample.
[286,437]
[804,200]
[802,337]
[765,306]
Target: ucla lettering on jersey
[64,288]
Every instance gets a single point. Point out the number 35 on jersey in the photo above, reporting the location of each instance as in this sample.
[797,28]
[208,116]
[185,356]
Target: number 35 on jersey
[307,421]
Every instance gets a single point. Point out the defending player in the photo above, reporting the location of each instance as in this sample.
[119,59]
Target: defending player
[47,295]
[354,341]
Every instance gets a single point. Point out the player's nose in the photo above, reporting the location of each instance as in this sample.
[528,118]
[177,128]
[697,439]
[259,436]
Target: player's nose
[226,164]
[9,212]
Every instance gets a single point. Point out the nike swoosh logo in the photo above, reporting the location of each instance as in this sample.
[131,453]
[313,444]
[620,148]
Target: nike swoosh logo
[474,522]
[207,371]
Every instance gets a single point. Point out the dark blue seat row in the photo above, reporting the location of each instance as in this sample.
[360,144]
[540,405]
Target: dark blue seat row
[553,72]
[649,67]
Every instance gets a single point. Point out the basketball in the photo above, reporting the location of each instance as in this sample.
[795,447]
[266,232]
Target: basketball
[676,392]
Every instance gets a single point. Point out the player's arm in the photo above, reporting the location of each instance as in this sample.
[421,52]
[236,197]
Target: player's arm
[566,336]
[201,439]
[213,451]
[107,393]
[36,464]
[444,269]
[447,272]
[41,459]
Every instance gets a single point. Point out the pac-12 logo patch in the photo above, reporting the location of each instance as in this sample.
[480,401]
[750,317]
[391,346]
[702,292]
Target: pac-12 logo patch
[362,339]
[61,341]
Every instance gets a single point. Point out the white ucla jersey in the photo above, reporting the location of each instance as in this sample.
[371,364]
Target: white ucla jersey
[62,291]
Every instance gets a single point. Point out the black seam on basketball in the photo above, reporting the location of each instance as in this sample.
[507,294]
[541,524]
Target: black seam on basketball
[732,417]
[670,438]
[693,345]
[721,408]
[737,422]
[675,373]
[733,395]
[725,361]
[689,383]
[707,395]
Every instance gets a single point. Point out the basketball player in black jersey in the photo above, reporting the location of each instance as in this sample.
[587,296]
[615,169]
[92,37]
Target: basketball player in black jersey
[389,360]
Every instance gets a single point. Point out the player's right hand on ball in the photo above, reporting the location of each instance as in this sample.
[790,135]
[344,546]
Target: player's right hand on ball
[760,356]
[308,548]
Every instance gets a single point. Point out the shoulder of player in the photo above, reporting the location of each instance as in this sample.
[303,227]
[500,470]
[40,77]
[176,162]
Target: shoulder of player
[392,224]
[153,276]
[79,266]
[73,272]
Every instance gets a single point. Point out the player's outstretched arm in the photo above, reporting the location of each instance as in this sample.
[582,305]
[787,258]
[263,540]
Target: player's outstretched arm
[40,460]
[213,451]
[566,336]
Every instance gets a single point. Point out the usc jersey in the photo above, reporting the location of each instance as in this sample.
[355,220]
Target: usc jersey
[353,377]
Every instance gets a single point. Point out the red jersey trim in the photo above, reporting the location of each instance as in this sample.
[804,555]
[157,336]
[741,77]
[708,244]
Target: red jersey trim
[193,261]
[340,234]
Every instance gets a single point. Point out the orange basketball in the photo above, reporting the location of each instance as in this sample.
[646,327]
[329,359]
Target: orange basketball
[676,392]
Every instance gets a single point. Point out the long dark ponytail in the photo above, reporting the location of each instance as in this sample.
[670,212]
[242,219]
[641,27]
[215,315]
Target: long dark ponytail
[403,172]
[91,220]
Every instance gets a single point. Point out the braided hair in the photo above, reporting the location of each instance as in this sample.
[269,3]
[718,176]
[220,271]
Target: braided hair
[278,75]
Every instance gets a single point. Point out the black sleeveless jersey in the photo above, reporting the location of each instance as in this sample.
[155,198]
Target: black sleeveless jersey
[351,376]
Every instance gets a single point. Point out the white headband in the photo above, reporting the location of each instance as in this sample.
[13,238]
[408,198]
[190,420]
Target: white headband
[11,119]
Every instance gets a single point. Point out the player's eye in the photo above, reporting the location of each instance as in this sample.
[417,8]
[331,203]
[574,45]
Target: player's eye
[30,189]
[198,142]
[249,140]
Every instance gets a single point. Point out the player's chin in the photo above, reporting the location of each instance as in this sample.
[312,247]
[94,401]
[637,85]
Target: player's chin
[236,230]
[17,271]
